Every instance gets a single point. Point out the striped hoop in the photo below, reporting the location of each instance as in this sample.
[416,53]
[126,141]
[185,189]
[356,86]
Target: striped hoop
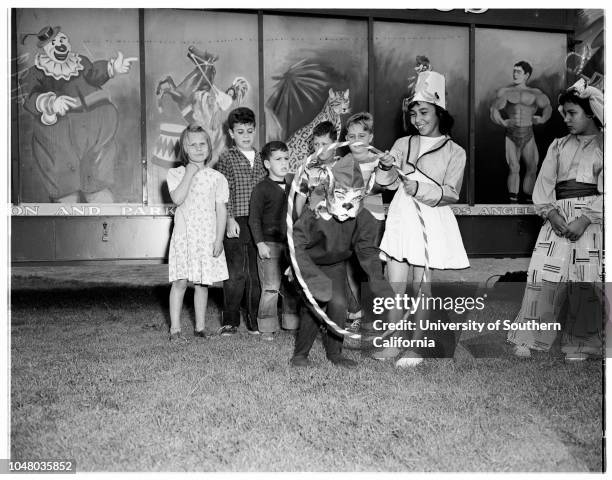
[296,268]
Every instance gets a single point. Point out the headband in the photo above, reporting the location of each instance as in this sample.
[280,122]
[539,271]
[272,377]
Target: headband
[594,95]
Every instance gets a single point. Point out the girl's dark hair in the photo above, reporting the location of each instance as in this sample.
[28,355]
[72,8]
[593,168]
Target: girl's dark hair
[193,128]
[446,120]
[571,96]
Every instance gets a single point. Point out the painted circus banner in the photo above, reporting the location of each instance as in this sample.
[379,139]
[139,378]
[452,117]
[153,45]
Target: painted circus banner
[100,97]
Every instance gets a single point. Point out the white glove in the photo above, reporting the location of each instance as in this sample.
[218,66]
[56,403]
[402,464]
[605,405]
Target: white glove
[50,106]
[120,64]
[63,103]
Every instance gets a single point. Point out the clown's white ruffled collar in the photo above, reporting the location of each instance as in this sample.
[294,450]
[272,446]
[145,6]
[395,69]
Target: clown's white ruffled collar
[59,70]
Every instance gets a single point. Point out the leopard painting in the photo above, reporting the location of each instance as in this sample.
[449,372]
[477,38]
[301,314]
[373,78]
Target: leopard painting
[300,143]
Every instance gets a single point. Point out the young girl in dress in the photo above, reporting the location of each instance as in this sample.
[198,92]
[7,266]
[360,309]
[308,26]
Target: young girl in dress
[196,247]
[433,166]
[566,264]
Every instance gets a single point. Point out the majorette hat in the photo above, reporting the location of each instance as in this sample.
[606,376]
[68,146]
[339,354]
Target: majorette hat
[47,34]
[430,88]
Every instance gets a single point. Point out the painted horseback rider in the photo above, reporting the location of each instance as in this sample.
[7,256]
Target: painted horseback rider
[199,100]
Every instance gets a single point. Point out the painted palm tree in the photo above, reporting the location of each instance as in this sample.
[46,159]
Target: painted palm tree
[303,83]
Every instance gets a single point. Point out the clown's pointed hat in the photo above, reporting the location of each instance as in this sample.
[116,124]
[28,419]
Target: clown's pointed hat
[346,173]
[430,88]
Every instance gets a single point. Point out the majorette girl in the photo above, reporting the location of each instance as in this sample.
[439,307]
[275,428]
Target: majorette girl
[433,168]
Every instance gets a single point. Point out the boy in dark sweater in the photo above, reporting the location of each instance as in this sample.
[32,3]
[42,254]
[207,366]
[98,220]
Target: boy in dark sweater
[267,222]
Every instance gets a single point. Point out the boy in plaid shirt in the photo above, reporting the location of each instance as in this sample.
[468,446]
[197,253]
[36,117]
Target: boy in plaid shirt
[243,168]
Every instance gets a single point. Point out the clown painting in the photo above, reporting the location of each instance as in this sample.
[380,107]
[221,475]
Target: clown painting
[74,120]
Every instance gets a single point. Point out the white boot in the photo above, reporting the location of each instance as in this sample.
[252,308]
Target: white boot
[409,360]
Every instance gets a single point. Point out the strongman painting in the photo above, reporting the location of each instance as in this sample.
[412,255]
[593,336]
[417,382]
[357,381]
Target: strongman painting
[518,107]
[518,77]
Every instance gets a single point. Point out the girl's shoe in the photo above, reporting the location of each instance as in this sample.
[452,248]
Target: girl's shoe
[385,353]
[177,337]
[521,352]
[409,360]
[268,336]
[201,334]
[576,357]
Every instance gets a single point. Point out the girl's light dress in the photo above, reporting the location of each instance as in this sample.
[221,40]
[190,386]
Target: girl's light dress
[191,246]
[439,173]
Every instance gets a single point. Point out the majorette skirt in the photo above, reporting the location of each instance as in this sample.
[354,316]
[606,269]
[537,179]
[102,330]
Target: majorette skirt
[403,238]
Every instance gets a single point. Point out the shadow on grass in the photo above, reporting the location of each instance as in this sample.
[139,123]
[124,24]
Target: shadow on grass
[115,298]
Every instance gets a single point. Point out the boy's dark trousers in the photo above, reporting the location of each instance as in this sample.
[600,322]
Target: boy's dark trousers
[310,325]
[243,281]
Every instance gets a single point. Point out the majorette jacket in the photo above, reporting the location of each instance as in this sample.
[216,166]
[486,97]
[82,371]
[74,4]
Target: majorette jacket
[444,165]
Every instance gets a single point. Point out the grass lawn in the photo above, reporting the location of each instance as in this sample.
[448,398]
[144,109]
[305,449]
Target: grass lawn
[95,379]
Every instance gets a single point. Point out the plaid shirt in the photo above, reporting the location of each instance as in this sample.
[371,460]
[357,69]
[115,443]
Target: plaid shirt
[241,179]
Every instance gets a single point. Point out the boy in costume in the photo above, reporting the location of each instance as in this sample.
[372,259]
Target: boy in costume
[325,237]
